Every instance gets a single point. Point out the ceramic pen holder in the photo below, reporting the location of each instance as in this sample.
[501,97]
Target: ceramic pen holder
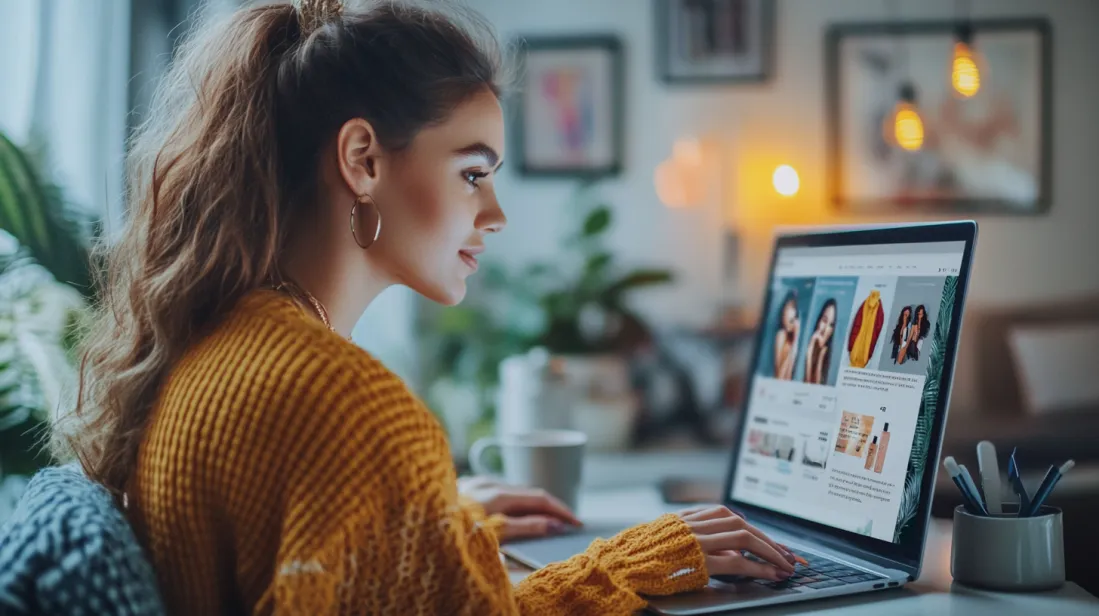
[1005,552]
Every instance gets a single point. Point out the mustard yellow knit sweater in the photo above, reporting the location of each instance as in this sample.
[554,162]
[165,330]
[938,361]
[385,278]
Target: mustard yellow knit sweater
[286,471]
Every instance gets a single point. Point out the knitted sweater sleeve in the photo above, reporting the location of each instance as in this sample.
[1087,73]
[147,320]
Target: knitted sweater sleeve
[379,528]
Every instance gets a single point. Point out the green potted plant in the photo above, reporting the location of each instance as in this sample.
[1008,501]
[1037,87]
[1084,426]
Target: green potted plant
[45,287]
[574,306]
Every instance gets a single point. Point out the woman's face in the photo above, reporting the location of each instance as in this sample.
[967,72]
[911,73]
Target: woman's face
[906,314]
[920,315]
[789,316]
[827,321]
[438,201]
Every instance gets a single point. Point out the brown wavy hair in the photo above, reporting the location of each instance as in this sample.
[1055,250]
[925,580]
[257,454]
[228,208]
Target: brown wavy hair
[225,163]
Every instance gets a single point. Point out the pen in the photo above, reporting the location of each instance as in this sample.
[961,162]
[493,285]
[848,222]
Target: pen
[989,468]
[1017,484]
[1053,475]
[972,503]
[969,483]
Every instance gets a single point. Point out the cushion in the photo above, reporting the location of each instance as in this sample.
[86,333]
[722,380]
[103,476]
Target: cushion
[68,550]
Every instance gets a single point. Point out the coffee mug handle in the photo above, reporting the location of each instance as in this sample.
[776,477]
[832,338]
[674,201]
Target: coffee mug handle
[477,452]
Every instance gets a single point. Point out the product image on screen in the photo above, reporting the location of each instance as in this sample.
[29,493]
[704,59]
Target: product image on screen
[847,381]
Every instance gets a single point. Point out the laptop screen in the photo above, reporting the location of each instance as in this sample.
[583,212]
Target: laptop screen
[843,399]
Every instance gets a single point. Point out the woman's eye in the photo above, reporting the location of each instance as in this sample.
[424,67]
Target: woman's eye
[471,177]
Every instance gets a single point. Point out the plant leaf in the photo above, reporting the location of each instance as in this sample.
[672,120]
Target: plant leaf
[598,262]
[929,404]
[597,222]
[639,278]
[34,211]
[457,320]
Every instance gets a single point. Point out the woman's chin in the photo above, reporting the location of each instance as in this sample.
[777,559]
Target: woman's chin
[448,294]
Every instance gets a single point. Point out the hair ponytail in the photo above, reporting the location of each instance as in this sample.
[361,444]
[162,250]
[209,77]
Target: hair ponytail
[227,157]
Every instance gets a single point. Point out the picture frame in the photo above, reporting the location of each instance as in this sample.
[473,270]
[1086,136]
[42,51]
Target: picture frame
[990,153]
[570,106]
[715,41]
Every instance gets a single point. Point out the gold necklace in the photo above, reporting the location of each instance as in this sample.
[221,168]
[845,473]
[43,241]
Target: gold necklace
[305,297]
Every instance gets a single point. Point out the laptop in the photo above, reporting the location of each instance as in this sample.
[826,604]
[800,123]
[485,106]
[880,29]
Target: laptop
[843,421]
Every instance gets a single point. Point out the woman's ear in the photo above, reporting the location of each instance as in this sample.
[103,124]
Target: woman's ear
[359,153]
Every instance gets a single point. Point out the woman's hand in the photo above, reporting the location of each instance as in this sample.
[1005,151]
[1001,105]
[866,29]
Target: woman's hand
[725,537]
[817,341]
[528,512]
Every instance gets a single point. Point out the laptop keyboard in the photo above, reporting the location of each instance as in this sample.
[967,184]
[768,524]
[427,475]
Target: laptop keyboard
[822,572]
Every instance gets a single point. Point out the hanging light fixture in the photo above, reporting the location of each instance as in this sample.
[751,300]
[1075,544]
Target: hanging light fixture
[904,126]
[965,63]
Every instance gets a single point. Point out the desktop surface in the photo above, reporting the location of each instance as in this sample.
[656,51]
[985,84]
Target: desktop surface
[933,593]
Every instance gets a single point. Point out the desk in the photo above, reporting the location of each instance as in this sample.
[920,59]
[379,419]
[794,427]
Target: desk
[933,593]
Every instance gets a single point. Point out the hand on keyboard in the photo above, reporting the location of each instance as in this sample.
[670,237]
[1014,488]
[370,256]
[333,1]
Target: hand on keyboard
[728,540]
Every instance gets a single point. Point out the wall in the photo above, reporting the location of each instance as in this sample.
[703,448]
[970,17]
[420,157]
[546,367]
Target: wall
[1019,261]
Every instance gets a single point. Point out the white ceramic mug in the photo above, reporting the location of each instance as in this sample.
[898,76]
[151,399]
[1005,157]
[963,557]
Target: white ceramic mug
[547,459]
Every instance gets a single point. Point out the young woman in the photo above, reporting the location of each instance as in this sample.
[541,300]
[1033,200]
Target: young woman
[786,338]
[818,357]
[301,159]
[921,326]
[900,335]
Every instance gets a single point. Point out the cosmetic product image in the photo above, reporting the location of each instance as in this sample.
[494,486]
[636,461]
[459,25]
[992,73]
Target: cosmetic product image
[883,445]
[845,431]
[870,453]
[866,424]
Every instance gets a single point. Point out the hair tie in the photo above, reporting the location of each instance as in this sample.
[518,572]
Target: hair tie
[313,14]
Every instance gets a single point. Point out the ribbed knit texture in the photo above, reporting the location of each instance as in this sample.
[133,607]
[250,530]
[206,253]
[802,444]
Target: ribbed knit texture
[287,471]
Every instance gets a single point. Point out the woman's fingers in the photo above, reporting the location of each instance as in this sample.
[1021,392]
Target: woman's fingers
[729,524]
[732,563]
[537,501]
[712,520]
[531,527]
[744,540]
[686,513]
[707,512]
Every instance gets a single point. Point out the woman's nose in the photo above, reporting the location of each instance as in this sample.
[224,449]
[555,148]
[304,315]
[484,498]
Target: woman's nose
[492,218]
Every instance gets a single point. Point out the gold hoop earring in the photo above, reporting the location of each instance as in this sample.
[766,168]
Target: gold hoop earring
[373,215]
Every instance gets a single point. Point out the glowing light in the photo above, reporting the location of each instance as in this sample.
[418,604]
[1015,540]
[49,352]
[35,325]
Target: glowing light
[904,126]
[908,127]
[687,152]
[785,180]
[670,187]
[680,180]
[964,74]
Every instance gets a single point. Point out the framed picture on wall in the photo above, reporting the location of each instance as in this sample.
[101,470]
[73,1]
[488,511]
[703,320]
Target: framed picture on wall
[570,110]
[905,135]
[715,41]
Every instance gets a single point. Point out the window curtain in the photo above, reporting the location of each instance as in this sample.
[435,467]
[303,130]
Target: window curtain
[64,68]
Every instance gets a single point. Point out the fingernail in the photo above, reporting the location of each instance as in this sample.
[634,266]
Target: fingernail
[556,527]
[789,557]
[783,575]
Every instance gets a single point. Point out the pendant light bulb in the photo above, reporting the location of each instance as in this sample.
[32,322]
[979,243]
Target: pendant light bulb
[904,126]
[965,74]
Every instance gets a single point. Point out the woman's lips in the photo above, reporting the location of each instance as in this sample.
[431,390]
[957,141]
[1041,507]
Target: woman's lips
[469,257]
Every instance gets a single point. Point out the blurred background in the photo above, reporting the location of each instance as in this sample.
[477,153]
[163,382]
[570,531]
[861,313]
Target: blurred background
[655,147]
